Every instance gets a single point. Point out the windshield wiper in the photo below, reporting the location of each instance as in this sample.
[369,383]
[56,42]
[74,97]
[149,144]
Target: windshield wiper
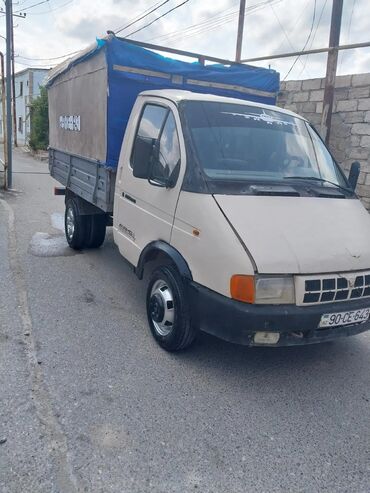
[321,180]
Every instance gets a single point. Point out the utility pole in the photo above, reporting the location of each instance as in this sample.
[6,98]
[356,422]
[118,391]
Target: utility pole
[239,39]
[331,69]
[8,15]
[13,81]
[3,120]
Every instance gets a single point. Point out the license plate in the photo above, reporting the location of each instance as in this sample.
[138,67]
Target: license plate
[344,318]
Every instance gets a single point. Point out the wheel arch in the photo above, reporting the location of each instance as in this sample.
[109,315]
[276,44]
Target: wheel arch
[85,207]
[159,247]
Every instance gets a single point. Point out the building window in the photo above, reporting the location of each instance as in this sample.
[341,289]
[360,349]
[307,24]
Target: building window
[20,125]
[21,88]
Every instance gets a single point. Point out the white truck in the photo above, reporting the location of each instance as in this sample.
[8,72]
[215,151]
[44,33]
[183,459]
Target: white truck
[256,235]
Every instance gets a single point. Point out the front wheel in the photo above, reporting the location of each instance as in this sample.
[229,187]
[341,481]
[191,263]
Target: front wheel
[168,310]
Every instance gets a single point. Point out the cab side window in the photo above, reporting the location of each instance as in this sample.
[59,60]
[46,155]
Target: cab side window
[150,126]
[156,150]
[167,160]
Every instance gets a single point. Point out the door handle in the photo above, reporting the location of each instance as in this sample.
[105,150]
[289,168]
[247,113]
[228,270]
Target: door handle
[128,197]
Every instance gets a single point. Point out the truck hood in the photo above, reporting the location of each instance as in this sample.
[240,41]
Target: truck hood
[300,235]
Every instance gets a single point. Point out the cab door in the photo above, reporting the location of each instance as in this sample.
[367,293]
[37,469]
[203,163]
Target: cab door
[144,208]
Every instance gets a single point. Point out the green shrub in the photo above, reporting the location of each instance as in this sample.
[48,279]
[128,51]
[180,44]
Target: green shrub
[39,137]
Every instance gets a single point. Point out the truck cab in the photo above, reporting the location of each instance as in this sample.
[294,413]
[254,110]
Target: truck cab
[258,236]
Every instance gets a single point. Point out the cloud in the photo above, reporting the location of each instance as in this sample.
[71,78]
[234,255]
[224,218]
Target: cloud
[76,25]
[85,29]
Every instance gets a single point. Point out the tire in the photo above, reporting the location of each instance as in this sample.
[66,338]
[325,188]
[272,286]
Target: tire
[168,310]
[98,224]
[76,225]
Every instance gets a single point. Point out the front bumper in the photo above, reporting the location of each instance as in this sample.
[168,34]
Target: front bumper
[237,322]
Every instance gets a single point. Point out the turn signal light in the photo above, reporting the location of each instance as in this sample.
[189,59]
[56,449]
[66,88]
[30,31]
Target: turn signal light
[242,288]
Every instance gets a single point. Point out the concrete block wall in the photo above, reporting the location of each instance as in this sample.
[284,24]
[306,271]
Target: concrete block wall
[350,133]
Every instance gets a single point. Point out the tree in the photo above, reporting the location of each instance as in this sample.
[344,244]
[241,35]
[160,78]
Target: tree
[39,137]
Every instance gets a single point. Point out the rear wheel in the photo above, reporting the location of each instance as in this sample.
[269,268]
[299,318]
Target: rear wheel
[98,224]
[76,225]
[168,310]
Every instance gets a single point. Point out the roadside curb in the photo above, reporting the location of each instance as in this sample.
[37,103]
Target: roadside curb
[2,174]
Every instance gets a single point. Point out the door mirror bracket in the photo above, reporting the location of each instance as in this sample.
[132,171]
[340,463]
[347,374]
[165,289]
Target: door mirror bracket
[160,181]
[156,182]
[169,182]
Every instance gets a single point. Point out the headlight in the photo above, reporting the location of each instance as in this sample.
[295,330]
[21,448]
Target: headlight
[274,290]
[266,290]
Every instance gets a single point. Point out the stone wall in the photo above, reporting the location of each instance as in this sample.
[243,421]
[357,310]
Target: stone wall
[350,132]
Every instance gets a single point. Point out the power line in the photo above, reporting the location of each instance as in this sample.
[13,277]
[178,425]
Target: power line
[48,66]
[251,10]
[158,18]
[306,43]
[50,11]
[295,23]
[350,19]
[313,37]
[196,29]
[144,14]
[19,4]
[230,18]
[217,17]
[315,51]
[211,23]
[31,6]
[348,31]
[51,58]
[283,29]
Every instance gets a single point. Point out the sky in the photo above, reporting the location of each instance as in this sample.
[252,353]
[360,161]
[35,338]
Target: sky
[57,27]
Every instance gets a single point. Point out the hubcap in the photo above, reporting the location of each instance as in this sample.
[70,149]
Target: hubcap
[161,308]
[70,223]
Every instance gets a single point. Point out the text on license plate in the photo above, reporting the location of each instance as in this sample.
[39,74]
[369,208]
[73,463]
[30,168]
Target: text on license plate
[344,318]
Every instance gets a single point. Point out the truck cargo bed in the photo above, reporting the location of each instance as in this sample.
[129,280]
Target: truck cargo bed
[92,94]
[87,178]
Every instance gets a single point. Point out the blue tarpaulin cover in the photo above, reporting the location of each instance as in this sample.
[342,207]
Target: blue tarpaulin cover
[133,69]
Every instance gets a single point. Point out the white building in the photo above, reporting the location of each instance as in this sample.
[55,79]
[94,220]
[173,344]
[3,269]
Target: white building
[27,87]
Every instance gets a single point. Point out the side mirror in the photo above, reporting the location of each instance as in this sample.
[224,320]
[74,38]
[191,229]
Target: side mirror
[354,174]
[142,157]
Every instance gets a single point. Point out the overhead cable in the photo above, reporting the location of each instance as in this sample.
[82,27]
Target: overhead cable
[211,23]
[306,43]
[284,31]
[158,18]
[31,6]
[144,14]
[50,11]
[51,58]
[313,37]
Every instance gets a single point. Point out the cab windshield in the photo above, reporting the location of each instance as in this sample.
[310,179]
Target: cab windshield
[235,142]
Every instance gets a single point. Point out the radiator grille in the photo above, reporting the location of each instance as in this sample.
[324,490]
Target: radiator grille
[333,288]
